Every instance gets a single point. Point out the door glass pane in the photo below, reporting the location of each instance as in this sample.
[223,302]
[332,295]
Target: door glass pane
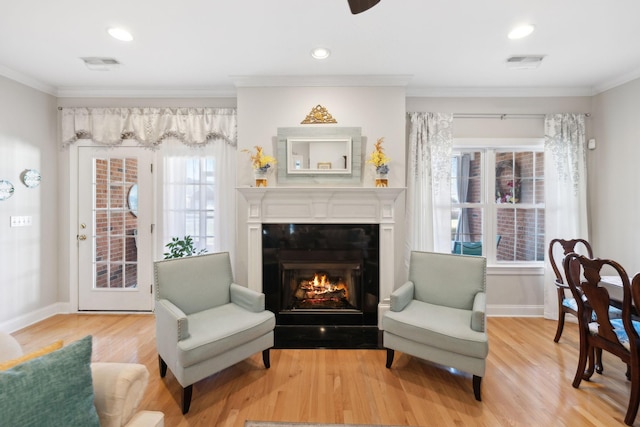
[115,225]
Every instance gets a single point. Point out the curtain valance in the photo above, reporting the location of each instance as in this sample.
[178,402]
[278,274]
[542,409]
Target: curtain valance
[149,126]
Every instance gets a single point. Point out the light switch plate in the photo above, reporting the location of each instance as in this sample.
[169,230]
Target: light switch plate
[21,221]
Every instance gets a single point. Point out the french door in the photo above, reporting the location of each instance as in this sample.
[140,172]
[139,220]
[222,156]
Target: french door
[115,213]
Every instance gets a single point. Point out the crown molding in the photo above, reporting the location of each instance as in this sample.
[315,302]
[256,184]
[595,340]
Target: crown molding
[80,92]
[610,84]
[319,81]
[27,80]
[497,92]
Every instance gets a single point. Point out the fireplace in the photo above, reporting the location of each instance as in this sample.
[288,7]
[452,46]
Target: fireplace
[321,274]
[354,225]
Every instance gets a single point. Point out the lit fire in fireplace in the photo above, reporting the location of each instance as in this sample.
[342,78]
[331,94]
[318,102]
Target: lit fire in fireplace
[320,290]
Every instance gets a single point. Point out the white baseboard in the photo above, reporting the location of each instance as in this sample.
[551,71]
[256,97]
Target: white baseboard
[493,310]
[34,317]
[503,310]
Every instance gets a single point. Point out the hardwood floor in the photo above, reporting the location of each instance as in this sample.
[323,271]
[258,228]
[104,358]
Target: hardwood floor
[527,383]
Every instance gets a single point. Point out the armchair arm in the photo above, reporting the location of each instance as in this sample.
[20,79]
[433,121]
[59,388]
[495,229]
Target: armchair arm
[118,389]
[478,313]
[171,320]
[402,296]
[247,298]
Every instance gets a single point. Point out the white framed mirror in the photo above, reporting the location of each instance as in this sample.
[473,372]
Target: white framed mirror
[326,155]
[318,156]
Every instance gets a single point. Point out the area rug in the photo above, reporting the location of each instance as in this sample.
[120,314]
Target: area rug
[282,424]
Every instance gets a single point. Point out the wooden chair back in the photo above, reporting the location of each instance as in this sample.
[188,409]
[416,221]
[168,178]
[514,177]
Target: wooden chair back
[560,248]
[604,337]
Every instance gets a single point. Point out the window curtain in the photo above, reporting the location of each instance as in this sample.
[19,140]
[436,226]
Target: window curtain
[428,205]
[223,199]
[213,130]
[462,179]
[566,199]
[148,126]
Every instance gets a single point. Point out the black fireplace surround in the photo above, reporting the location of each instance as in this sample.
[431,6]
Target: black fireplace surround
[322,283]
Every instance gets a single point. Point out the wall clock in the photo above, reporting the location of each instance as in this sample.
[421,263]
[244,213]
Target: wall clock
[31,178]
[6,189]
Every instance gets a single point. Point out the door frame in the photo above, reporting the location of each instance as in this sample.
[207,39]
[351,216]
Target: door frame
[68,208]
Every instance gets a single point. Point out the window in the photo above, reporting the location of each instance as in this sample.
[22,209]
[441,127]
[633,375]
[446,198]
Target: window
[188,199]
[497,196]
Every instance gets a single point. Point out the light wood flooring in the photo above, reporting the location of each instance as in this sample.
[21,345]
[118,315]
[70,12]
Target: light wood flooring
[527,383]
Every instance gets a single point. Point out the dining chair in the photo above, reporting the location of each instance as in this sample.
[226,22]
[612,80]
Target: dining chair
[616,336]
[558,250]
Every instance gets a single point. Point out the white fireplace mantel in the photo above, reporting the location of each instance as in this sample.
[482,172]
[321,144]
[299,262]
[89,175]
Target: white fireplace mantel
[318,205]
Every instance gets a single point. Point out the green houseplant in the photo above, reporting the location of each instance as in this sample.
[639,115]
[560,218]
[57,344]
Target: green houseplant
[179,248]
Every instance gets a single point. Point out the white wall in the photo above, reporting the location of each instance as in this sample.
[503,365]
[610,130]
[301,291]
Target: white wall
[28,255]
[614,176]
[514,292]
[379,111]
[35,265]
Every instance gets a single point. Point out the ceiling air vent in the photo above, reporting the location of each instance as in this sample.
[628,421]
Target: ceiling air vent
[524,62]
[101,64]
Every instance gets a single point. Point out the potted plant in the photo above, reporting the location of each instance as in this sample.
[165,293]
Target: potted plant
[179,248]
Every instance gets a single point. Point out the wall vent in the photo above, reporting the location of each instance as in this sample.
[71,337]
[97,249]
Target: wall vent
[524,62]
[101,64]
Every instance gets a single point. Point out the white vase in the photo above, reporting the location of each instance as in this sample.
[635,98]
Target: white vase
[382,180]
[261,178]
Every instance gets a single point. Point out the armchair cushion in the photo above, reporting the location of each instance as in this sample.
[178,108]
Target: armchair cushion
[402,296]
[247,298]
[449,280]
[55,389]
[437,326]
[118,389]
[478,312]
[7,364]
[215,331]
[203,281]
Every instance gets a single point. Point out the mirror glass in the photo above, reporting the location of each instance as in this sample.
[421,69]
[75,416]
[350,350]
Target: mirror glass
[319,155]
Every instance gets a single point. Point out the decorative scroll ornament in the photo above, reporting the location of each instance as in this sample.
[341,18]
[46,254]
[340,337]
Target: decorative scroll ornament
[318,114]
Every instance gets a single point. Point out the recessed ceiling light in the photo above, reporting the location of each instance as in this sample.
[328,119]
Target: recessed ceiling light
[521,31]
[120,34]
[320,53]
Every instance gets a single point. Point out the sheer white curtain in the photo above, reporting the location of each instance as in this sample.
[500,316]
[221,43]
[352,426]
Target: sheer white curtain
[428,206]
[199,182]
[566,200]
[180,132]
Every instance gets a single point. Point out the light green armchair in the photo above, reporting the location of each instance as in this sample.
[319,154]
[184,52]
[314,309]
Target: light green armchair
[205,322]
[439,313]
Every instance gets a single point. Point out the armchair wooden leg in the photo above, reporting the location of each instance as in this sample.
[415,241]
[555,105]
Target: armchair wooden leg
[266,359]
[163,367]
[186,398]
[476,387]
[390,354]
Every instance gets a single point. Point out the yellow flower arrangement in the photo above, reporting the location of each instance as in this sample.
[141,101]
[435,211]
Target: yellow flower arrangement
[259,160]
[378,158]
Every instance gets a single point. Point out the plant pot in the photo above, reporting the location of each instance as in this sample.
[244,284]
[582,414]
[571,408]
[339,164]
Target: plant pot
[381,180]
[261,178]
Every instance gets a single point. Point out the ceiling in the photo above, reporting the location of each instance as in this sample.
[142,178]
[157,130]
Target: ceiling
[209,47]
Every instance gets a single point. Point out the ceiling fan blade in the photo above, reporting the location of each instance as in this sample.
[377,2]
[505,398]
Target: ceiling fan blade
[358,6]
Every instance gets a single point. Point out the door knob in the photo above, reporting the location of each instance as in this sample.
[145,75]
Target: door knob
[82,237]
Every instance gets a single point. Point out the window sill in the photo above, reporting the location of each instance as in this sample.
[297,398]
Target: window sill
[536,269]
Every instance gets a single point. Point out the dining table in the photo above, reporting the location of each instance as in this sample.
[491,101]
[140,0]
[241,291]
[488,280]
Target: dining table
[613,285]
